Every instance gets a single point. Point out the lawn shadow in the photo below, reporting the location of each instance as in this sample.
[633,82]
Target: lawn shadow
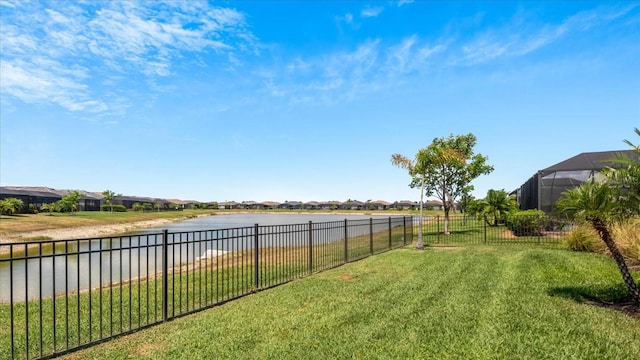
[615,297]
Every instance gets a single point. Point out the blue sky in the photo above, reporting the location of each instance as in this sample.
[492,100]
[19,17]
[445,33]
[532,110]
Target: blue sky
[302,100]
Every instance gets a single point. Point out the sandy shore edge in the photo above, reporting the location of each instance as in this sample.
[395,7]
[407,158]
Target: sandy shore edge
[81,232]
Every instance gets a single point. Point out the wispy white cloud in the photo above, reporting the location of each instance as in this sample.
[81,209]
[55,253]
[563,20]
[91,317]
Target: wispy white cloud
[44,45]
[518,37]
[370,11]
[48,82]
[410,55]
[366,12]
[404,2]
[346,75]
[346,18]
[9,3]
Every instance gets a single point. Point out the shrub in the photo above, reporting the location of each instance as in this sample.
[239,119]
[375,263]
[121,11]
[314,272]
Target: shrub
[527,222]
[627,237]
[116,207]
[581,238]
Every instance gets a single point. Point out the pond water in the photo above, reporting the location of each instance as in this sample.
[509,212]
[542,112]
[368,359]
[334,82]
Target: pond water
[108,260]
[242,220]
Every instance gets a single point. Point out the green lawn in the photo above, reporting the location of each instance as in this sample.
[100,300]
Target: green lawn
[476,302]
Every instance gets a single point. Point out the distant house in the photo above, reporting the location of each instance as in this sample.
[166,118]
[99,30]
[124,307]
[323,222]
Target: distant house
[268,205]
[181,204]
[37,196]
[89,201]
[248,205]
[405,205]
[291,205]
[329,205]
[433,205]
[228,205]
[379,205]
[312,205]
[352,205]
[129,201]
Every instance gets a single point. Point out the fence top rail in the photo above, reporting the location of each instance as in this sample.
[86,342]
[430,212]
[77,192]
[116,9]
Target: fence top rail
[36,243]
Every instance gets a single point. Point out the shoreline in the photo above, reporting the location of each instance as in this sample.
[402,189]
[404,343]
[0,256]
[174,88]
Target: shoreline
[82,232]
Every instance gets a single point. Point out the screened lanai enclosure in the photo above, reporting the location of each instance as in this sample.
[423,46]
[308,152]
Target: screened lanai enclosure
[544,188]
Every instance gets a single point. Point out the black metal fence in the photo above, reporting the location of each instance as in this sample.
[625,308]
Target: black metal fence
[62,295]
[472,230]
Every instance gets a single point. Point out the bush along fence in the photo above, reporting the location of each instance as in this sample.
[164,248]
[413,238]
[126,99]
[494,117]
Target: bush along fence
[59,296]
[513,229]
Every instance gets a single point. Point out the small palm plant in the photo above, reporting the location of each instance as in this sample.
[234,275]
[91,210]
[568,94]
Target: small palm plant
[596,203]
[494,207]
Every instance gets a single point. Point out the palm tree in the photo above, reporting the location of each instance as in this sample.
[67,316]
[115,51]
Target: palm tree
[11,206]
[51,207]
[495,206]
[109,196]
[625,175]
[597,203]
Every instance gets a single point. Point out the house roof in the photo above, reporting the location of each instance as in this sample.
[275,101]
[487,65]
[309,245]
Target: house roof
[181,202]
[405,203]
[26,191]
[587,161]
[41,191]
[270,203]
[291,203]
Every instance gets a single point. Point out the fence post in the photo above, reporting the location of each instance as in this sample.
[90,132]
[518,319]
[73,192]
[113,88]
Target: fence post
[256,258]
[389,232]
[371,235]
[404,230]
[310,248]
[346,246]
[165,274]
[485,232]
[438,229]
[539,232]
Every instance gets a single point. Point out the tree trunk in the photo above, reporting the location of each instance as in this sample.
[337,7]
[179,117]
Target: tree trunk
[605,235]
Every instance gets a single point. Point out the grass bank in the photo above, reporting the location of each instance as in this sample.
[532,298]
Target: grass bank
[475,302]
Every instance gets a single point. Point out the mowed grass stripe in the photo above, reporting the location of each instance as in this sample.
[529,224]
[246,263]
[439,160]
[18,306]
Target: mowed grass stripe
[477,302]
